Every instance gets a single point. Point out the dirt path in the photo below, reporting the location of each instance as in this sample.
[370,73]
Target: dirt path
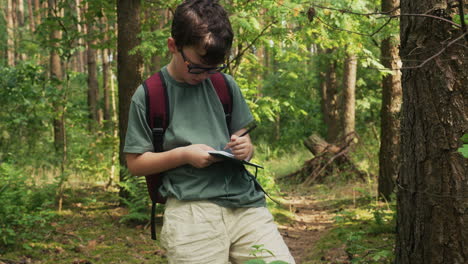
[312,221]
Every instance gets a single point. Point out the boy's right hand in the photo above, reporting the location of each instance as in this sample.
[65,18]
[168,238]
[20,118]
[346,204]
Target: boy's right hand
[197,155]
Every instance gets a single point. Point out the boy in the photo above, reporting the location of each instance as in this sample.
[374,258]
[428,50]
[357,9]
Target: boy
[214,213]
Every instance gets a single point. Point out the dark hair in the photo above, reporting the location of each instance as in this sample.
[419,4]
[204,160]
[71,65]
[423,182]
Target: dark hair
[204,24]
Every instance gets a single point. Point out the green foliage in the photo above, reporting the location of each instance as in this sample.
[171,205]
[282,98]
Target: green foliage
[258,251]
[137,201]
[26,98]
[24,207]
[368,232]
[464,149]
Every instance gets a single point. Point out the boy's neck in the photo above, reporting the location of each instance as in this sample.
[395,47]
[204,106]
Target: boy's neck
[173,72]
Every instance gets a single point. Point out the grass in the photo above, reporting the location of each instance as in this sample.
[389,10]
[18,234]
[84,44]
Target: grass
[88,230]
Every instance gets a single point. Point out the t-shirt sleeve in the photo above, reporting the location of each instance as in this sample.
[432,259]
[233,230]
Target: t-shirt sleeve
[138,138]
[241,115]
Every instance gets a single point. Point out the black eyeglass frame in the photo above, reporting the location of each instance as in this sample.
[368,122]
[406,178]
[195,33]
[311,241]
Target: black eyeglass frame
[199,70]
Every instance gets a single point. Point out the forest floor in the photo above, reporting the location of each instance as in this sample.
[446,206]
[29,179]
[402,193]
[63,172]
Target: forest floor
[311,222]
[88,230]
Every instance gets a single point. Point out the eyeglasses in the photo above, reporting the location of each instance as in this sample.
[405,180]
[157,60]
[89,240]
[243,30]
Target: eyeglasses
[199,70]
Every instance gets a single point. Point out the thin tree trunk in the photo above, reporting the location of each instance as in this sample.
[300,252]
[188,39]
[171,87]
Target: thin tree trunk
[20,6]
[129,66]
[79,64]
[21,55]
[349,95]
[10,49]
[323,97]
[93,86]
[106,73]
[390,112]
[432,225]
[115,131]
[56,73]
[32,25]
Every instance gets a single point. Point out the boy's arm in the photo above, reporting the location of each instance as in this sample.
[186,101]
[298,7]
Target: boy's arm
[152,163]
[241,147]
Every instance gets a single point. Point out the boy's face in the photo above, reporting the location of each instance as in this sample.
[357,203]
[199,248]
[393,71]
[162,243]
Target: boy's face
[188,66]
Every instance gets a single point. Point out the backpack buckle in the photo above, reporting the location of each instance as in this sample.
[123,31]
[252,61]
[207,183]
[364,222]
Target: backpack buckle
[158,131]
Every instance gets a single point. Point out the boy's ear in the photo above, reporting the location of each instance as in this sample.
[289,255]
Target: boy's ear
[171,45]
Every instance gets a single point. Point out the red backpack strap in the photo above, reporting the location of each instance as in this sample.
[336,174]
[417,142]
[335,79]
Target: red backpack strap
[157,114]
[223,90]
[157,111]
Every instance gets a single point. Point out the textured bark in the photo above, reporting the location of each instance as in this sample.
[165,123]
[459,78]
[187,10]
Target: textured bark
[93,86]
[390,112]
[129,66]
[433,179]
[79,54]
[10,49]
[333,116]
[56,72]
[349,96]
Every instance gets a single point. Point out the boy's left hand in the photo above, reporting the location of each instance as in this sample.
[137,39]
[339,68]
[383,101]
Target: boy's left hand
[241,147]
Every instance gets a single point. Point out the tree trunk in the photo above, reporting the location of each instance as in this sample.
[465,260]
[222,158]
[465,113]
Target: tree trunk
[390,112]
[333,126]
[323,98]
[129,66]
[56,73]
[433,179]
[32,25]
[10,49]
[20,4]
[79,54]
[349,90]
[93,86]
[106,73]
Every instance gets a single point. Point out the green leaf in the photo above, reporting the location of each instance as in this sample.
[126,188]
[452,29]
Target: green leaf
[464,150]
[464,138]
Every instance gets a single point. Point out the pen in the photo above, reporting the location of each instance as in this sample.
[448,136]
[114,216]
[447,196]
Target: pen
[248,130]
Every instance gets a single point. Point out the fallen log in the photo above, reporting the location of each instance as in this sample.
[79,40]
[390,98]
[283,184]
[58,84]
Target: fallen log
[329,159]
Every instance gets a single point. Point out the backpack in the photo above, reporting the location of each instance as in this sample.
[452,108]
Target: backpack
[157,114]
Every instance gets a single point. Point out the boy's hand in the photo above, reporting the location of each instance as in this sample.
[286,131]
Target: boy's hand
[197,155]
[241,147]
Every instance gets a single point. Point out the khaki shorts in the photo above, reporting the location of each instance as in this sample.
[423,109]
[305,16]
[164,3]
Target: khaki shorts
[203,232]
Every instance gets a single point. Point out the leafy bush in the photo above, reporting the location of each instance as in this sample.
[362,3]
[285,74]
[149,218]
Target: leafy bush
[137,200]
[26,109]
[23,210]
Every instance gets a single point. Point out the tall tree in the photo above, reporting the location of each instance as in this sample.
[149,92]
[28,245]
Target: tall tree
[433,179]
[129,67]
[10,49]
[56,73]
[332,104]
[106,70]
[32,25]
[79,55]
[93,86]
[348,111]
[390,111]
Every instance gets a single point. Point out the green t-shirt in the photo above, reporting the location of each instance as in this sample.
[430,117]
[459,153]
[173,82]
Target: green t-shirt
[197,117]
